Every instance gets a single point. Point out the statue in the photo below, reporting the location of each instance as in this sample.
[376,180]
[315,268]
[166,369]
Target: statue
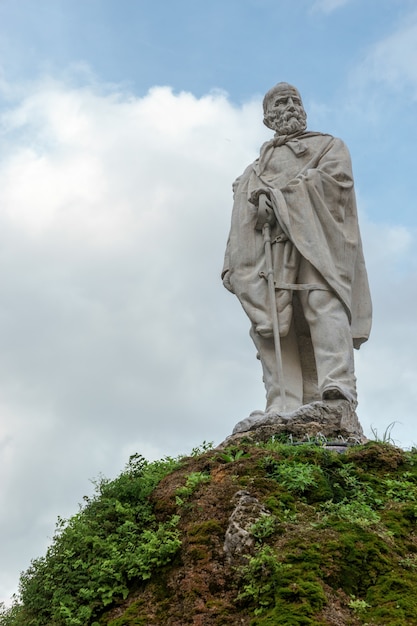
[294,259]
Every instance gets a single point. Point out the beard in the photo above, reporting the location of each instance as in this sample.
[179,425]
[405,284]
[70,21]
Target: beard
[287,122]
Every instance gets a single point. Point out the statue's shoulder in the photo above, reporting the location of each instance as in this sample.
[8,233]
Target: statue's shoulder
[327,142]
[318,137]
[325,137]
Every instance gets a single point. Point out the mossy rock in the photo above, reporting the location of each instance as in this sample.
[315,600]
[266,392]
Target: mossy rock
[342,546]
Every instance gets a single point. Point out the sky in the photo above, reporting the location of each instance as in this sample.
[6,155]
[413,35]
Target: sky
[123,124]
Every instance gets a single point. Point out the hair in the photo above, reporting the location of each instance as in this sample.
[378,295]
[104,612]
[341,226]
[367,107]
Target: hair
[280,88]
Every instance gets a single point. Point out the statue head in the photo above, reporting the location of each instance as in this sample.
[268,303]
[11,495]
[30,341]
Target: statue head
[283,110]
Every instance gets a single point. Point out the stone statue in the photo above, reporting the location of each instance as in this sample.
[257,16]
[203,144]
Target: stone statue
[297,200]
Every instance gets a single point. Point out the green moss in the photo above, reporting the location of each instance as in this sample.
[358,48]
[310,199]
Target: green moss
[307,596]
[362,556]
[304,555]
[394,597]
[377,456]
[197,553]
[131,616]
[285,614]
[279,501]
[203,532]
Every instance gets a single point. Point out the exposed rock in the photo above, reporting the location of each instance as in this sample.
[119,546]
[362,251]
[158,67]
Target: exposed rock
[239,542]
[333,421]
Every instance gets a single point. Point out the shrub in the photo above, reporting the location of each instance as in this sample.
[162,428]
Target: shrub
[94,555]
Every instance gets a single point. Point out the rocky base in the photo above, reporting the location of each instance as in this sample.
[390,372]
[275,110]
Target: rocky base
[332,421]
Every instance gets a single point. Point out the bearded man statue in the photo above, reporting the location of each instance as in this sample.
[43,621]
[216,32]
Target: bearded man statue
[302,187]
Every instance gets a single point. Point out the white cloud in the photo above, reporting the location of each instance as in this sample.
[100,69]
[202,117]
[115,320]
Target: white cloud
[392,61]
[114,213]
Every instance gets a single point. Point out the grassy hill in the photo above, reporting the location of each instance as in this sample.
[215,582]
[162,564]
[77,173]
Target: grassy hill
[259,534]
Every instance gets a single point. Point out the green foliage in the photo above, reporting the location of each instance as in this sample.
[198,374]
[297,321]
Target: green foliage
[194,480]
[12,616]
[293,475]
[232,454]
[386,435]
[402,490]
[94,555]
[199,450]
[286,448]
[264,527]
[357,512]
[276,443]
[358,606]
[411,456]
[409,561]
[260,578]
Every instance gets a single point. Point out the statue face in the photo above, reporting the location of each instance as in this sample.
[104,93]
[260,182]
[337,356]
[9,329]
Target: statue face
[285,113]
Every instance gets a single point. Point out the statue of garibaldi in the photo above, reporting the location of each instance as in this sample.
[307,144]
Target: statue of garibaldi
[308,303]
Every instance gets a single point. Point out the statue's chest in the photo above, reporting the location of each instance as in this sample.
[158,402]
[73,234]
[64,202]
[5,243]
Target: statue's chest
[281,165]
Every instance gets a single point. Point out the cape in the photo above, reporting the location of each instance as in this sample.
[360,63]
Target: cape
[310,184]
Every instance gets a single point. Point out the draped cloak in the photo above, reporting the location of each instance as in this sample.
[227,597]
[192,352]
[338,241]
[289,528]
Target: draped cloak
[309,181]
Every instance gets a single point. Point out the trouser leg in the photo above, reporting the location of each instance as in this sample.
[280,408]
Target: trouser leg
[332,342]
[291,370]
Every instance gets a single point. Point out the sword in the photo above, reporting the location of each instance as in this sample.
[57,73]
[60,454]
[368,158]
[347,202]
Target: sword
[266,232]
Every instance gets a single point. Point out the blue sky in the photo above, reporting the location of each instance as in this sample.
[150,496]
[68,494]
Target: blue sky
[195,45]
[122,126]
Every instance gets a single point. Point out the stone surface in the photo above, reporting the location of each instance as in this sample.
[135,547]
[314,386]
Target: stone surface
[294,259]
[239,542]
[333,423]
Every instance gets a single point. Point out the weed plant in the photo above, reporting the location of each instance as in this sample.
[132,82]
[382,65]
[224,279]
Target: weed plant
[194,480]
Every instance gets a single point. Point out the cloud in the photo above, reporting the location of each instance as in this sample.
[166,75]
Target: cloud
[392,61]
[114,213]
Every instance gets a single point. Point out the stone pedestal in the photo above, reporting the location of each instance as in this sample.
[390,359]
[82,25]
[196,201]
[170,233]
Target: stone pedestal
[331,421]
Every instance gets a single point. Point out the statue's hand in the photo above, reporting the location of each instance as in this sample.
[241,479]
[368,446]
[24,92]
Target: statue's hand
[266,213]
[226,281]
